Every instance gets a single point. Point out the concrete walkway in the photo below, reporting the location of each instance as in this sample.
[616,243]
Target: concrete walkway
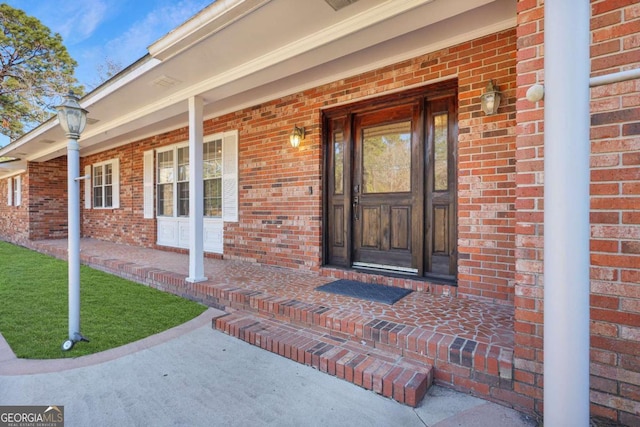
[193,375]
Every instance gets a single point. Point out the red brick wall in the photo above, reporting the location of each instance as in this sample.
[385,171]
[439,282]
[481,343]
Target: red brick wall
[615,197]
[126,224]
[14,219]
[48,199]
[280,188]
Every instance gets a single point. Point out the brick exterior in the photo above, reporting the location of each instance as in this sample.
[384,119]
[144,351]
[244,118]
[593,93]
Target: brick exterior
[280,188]
[500,191]
[14,220]
[615,197]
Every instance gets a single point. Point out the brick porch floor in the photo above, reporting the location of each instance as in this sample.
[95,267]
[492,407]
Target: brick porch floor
[469,343]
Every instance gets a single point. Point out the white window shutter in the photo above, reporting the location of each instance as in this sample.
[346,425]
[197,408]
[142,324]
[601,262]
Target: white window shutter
[9,191]
[148,183]
[18,200]
[87,187]
[115,182]
[230,176]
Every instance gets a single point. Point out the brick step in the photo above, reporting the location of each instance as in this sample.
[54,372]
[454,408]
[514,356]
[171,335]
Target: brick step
[385,373]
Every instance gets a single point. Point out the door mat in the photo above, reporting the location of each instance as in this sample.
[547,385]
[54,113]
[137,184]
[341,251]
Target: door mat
[366,291]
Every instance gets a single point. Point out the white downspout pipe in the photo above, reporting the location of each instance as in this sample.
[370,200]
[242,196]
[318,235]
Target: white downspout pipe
[196,192]
[566,212]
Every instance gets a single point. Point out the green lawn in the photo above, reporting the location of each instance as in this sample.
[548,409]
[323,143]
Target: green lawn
[113,311]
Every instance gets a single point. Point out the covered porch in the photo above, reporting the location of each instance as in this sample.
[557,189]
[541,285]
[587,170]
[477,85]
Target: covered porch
[395,350]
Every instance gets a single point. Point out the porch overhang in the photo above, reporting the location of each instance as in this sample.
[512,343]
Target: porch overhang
[239,53]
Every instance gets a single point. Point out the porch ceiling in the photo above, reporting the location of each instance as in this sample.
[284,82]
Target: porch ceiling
[238,53]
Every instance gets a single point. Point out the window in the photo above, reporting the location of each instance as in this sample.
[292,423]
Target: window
[102,185]
[173,178]
[14,191]
[173,182]
[172,174]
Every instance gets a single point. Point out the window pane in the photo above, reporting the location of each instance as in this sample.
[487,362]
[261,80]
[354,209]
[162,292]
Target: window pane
[165,199]
[441,160]
[338,158]
[212,159]
[183,164]
[97,197]
[165,167]
[108,196]
[97,176]
[108,174]
[386,159]
[213,197]
[183,199]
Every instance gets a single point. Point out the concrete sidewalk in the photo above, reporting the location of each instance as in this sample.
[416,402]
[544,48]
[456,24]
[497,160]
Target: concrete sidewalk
[195,376]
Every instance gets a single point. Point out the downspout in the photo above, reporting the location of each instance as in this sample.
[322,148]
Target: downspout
[566,213]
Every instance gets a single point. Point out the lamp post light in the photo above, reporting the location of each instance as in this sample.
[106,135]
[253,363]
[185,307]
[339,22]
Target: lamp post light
[73,119]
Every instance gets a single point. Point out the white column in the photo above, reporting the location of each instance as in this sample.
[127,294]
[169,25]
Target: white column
[566,213]
[73,237]
[196,199]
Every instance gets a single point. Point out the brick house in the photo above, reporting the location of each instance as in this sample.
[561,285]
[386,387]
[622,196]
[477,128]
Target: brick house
[399,173]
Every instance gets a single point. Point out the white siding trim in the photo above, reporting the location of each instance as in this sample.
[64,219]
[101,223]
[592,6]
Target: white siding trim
[148,196]
[230,176]
[115,176]
[10,191]
[88,185]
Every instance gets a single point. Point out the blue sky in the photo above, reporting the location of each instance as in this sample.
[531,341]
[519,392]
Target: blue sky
[120,30]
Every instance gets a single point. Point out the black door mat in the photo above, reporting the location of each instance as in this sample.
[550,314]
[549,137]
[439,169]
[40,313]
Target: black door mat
[366,291]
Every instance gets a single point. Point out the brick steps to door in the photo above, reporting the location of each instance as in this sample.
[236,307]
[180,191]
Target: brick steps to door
[385,373]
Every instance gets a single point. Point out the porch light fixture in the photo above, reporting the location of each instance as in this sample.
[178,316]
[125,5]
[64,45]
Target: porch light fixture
[73,119]
[490,100]
[296,136]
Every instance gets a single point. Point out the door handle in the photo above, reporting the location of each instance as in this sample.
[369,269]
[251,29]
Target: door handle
[356,203]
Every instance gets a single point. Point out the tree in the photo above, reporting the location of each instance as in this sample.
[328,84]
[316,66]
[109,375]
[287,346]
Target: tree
[105,71]
[35,72]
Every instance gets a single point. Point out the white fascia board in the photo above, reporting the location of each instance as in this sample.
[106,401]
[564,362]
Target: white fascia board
[29,137]
[209,21]
[145,65]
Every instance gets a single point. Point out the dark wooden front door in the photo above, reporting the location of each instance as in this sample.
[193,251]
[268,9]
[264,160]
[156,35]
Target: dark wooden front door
[386,191]
[390,183]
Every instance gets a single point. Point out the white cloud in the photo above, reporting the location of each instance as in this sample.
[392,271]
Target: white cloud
[88,17]
[75,21]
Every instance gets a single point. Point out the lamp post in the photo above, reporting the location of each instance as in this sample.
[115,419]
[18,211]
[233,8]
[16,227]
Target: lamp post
[73,119]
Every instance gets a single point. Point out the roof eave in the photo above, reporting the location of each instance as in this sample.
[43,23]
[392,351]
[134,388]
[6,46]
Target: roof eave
[210,20]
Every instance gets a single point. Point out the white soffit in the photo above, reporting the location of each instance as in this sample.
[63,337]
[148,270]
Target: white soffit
[249,52]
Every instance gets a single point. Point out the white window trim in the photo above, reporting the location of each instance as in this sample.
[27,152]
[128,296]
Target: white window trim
[174,148]
[17,190]
[14,190]
[115,184]
[10,191]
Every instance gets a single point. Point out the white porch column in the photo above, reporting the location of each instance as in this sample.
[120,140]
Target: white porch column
[196,201]
[566,213]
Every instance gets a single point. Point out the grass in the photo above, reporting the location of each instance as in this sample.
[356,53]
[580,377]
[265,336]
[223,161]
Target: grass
[113,311]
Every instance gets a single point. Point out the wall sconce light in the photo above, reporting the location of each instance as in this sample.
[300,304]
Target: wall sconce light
[490,100]
[296,136]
